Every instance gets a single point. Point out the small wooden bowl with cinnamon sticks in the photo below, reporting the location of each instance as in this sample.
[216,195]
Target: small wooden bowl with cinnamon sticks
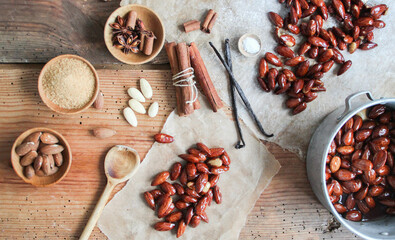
[146,40]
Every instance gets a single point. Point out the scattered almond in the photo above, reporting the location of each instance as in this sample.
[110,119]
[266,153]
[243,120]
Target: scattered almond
[136,94]
[130,116]
[99,102]
[145,88]
[103,132]
[153,109]
[136,106]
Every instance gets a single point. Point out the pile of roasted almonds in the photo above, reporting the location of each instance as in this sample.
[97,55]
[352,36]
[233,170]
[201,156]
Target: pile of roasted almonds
[40,154]
[360,170]
[195,191]
[357,22]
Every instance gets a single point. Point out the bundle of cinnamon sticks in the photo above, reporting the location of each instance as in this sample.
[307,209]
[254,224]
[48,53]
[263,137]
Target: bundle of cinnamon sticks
[182,57]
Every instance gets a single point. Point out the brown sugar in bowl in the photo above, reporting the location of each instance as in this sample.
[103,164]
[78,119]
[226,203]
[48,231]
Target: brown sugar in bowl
[45,180]
[56,107]
[151,21]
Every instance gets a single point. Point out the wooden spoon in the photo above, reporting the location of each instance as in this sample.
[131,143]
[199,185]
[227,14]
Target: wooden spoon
[120,164]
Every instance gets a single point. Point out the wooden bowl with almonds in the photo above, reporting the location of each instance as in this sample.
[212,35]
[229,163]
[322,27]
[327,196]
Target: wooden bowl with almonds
[41,180]
[122,50]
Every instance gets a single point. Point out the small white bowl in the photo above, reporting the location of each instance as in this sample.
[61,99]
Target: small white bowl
[240,45]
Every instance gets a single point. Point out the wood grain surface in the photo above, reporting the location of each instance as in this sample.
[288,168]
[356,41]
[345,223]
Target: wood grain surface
[286,210]
[36,31]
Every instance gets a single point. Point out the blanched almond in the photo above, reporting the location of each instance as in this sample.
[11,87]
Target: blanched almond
[206,188]
[153,109]
[130,116]
[136,106]
[136,94]
[215,162]
[145,88]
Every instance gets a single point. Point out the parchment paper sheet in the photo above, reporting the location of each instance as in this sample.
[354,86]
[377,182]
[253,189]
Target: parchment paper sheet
[127,215]
[372,70]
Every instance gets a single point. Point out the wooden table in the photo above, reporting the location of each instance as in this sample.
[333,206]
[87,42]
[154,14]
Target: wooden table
[36,32]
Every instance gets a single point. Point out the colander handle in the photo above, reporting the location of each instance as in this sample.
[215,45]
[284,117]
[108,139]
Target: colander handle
[350,98]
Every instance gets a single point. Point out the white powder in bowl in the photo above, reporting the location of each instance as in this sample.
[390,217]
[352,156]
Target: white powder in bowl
[251,45]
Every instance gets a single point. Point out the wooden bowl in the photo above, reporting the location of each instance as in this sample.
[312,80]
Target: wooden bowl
[54,106]
[151,21]
[46,180]
[241,48]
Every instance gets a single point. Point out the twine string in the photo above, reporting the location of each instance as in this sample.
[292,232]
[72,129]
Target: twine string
[187,76]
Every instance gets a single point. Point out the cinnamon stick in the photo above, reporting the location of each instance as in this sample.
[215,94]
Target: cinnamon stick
[203,78]
[211,24]
[131,21]
[186,92]
[191,26]
[209,21]
[172,55]
[148,43]
[142,43]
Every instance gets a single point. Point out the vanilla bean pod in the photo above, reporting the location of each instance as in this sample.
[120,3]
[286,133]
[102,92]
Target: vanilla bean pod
[241,93]
[228,57]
